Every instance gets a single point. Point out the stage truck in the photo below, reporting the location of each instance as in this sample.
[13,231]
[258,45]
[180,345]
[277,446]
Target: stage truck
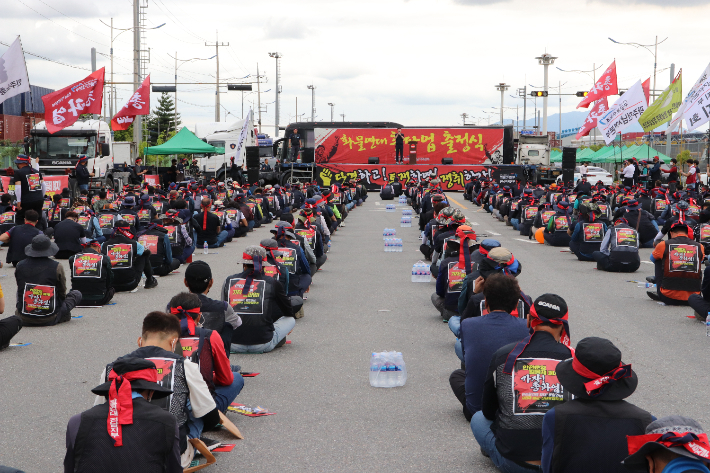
[365,151]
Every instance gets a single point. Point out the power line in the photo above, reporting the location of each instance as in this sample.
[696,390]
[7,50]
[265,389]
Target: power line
[168,12]
[61,26]
[74,20]
[47,59]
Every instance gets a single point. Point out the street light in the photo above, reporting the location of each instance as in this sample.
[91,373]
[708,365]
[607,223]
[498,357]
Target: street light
[502,87]
[312,88]
[277,56]
[331,110]
[654,53]
[545,60]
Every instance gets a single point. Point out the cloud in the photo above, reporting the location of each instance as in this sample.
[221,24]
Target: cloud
[479,2]
[285,28]
[660,3]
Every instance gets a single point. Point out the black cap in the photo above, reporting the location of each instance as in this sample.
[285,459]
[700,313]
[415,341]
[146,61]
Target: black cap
[198,271]
[550,306]
[128,364]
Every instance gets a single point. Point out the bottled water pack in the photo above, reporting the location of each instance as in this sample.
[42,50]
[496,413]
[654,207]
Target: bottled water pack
[390,208]
[387,370]
[388,233]
[393,245]
[421,272]
[402,199]
[405,222]
[406,212]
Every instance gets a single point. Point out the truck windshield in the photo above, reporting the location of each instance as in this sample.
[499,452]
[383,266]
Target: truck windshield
[65,146]
[533,152]
[265,151]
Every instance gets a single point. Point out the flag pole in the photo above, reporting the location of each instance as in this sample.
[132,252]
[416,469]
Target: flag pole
[28,79]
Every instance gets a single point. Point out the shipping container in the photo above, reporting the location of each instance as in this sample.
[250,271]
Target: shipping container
[26,102]
[12,128]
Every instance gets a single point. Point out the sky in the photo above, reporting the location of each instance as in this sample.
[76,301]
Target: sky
[415,62]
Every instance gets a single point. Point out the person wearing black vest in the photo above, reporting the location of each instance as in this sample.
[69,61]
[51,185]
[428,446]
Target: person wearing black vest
[158,342]
[272,267]
[83,176]
[145,437]
[42,297]
[208,226]
[619,250]
[262,303]
[308,221]
[68,235]
[29,187]
[387,192]
[454,266]
[129,259]
[205,348]
[18,237]
[588,232]
[678,266]
[588,434]
[92,275]
[293,258]
[156,239]
[179,236]
[508,428]
[647,227]
[137,172]
[56,213]
[555,232]
[399,146]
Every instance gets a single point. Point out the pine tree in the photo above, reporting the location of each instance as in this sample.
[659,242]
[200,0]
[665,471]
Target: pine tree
[162,119]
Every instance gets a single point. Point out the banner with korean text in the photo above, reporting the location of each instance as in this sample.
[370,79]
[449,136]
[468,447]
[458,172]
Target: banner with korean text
[63,107]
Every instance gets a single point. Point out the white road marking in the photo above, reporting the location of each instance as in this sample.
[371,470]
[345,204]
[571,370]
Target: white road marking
[493,233]
[526,241]
[647,262]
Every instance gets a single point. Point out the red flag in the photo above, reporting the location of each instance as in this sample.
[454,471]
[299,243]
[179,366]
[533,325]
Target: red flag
[138,104]
[63,107]
[600,108]
[646,86]
[605,86]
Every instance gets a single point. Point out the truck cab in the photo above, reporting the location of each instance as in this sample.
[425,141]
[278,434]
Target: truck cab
[534,154]
[233,138]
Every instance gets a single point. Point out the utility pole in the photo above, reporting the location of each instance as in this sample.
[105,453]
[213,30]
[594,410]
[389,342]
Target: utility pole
[216,45]
[669,134]
[559,91]
[523,93]
[343,115]
[545,60]
[258,93]
[175,104]
[137,130]
[502,87]
[111,94]
[277,56]
[331,110]
[313,102]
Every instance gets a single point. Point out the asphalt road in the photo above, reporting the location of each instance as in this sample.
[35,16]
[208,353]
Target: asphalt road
[328,418]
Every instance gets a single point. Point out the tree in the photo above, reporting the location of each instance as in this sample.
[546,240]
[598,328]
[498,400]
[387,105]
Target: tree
[162,119]
[123,135]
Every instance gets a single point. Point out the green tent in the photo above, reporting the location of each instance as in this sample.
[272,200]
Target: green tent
[584,154]
[184,142]
[646,152]
[556,156]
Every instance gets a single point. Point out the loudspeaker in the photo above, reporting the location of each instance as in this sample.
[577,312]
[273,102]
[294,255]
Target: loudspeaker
[373,160]
[447,160]
[252,175]
[252,157]
[308,155]
[569,162]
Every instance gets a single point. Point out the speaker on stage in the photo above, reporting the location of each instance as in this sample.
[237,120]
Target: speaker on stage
[373,160]
[447,160]
[308,155]
[569,162]
[252,158]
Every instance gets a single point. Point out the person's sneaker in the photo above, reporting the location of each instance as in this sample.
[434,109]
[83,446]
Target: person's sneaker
[236,368]
[151,283]
[211,444]
[653,295]
[281,343]
[651,279]
[483,452]
[697,316]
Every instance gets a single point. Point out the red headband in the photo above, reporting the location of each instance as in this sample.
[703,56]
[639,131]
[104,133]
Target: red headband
[186,321]
[537,320]
[120,400]
[599,382]
[697,444]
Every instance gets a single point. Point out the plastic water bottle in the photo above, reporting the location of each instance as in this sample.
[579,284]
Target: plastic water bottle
[707,325]
[375,365]
[382,375]
[399,245]
[647,285]
[387,245]
[391,370]
[205,249]
[328,244]
[143,280]
[401,369]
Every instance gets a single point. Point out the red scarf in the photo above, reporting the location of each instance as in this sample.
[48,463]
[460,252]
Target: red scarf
[187,323]
[120,400]
[599,382]
[697,444]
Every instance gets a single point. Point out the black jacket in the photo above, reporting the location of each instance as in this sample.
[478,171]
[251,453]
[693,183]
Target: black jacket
[67,235]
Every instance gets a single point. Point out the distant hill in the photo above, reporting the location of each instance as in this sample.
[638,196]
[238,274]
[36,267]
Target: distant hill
[569,120]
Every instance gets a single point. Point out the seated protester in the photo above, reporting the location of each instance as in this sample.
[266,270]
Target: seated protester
[216,315]
[672,444]
[597,417]
[647,227]
[266,311]
[55,213]
[292,256]
[10,326]
[103,203]
[129,259]
[180,240]
[135,432]
[157,343]
[482,336]
[680,210]
[449,220]
[68,235]
[205,348]
[507,429]
[619,250]
[156,240]
[387,192]
[90,222]
[310,232]
[6,203]
[556,230]
[272,267]
[145,212]
[92,275]
[18,237]
[678,269]
[240,203]
[239,221]
[287,221]
[208,227]
[42,297]
[476,257]
[438,203]
[453,269]
[588,232]
[225,222]
[258,211]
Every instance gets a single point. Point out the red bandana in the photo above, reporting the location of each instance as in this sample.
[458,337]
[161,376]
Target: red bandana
[599,382]
[187,323]
[697,444]
[120,401]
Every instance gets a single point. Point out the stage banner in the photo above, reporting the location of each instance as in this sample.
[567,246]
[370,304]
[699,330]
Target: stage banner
[356,145]
[53,184]
[452,177]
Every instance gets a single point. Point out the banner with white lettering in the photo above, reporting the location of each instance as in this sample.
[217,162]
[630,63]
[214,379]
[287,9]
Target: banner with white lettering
[13,72]
[605,86]
[138,104]
[62,108]
[625,112]
[600,108]
[690,98]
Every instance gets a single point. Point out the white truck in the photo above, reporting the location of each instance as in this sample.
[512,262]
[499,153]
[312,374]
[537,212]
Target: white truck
[534,151]
[58,152]
[233,137]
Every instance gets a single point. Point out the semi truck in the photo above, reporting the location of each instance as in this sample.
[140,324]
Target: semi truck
[233,138]
[533,154]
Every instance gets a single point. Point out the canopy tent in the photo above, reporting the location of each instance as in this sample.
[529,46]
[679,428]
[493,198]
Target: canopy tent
[555,156]
[184,142]
[646,152]
[582,155]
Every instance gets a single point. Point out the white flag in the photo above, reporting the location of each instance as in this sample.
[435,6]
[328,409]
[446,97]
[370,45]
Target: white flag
[625,112]
[692,96]
[13,72]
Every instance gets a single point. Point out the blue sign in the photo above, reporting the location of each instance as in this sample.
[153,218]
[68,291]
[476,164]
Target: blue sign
[527,132]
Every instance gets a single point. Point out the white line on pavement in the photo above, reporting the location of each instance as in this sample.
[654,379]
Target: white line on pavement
[493,233]
[526,241]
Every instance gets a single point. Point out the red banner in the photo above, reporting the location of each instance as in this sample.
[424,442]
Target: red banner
[62,108]
[600,108]
[152,179]
[452,177]
[138,104]
[53,184]
[605,86]
[355,145]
